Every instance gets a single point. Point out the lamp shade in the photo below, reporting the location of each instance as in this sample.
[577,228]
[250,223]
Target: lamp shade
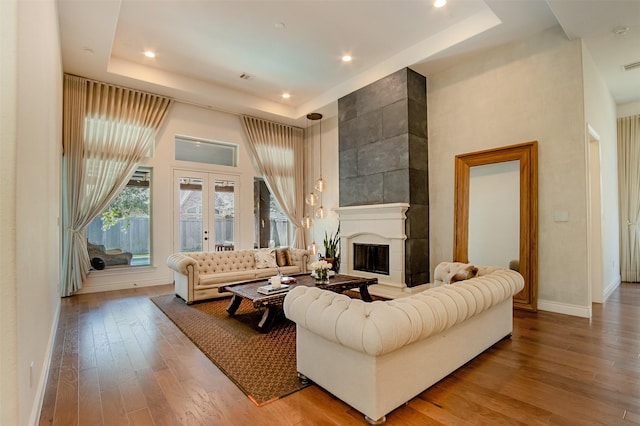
[313,248]
[320,185]
[321,213]
[311,199]
[306,222]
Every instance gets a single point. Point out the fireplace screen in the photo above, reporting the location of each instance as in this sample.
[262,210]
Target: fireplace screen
[371,258]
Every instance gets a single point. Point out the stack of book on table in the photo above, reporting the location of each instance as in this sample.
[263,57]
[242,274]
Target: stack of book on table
[268,289]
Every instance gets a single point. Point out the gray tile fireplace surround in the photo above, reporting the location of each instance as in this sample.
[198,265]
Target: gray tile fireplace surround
[383,157]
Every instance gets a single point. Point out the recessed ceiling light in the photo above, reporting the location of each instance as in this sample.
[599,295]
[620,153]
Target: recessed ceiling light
[346,58]
[149,54]
[286,96]
[439,3]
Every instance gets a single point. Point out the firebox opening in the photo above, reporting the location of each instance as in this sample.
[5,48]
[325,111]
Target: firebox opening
[371,258]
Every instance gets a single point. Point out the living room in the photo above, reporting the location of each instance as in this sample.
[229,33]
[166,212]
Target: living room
[543,88]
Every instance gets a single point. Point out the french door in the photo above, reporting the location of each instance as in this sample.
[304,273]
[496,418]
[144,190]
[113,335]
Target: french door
[205,211]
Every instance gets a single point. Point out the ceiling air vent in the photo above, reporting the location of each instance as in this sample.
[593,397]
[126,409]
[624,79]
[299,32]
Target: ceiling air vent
[246,76]
[632,66]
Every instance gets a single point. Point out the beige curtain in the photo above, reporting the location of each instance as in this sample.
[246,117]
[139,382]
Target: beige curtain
[278,150]
[107,132]
[629,188]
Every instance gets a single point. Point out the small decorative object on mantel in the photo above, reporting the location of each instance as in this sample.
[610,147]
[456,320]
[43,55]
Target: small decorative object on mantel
[321,271]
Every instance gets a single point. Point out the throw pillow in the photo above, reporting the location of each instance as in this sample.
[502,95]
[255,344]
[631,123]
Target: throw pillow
[265,258]
[464,273]
[283,257]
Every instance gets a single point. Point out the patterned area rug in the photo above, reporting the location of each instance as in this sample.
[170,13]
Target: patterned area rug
[263,366]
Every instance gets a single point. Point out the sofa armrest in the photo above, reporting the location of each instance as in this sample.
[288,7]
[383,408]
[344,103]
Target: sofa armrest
[300,258]
[185,265]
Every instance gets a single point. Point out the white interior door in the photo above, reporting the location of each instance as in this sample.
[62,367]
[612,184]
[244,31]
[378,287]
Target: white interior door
[205,207]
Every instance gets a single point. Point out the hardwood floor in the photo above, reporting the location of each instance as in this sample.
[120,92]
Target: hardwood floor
[118,360]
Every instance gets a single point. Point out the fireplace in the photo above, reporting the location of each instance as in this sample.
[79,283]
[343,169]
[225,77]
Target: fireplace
[383,146]
[371,258]
[372,230]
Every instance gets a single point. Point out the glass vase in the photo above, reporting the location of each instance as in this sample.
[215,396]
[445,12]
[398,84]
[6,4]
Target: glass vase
[322,276]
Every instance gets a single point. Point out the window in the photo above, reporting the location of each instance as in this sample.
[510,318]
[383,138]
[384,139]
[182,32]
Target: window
[206,151]
[272,227]
[121,235]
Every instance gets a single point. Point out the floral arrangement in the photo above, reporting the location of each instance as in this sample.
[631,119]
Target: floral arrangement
[321,270]
[321,265]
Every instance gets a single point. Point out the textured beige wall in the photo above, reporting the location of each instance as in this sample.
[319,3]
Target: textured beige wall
[531,90]
[600,114]
[8,130]
[37,205]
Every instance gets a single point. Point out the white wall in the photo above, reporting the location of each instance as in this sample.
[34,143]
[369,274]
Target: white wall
[37,108]
[494,213]
[8,168]
[330,163]
[600,114]
[531,90]
[187,120]
[628,109]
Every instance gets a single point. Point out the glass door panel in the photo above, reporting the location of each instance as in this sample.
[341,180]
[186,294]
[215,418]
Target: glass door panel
[205,212]
[190,211]
[224,208]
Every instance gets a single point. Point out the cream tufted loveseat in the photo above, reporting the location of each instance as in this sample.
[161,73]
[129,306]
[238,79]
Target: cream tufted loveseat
[376,356]
[197,276]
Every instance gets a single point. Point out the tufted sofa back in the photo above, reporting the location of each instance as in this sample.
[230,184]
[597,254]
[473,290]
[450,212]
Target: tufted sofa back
[381,327]
[224,261]
[445,272]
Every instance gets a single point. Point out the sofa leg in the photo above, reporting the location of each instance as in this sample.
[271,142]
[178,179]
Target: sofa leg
[183,299]
[380,421]
[303,379]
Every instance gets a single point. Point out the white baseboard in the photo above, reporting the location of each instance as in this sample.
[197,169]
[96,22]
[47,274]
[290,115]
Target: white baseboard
[46,366]
[564,308]
[611,287]
[125,279]
[96,288]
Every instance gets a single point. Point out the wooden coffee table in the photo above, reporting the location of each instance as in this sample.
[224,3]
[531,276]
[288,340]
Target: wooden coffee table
[272,303]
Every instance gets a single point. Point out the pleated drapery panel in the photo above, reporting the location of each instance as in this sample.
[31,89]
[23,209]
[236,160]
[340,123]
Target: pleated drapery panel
[107,132]
[278,151]
[629,194]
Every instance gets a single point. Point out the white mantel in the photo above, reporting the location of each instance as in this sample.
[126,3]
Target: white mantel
[376,224]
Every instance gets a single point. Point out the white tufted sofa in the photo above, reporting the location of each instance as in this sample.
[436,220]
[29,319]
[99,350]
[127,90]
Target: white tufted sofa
[197,276]
[376,356]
